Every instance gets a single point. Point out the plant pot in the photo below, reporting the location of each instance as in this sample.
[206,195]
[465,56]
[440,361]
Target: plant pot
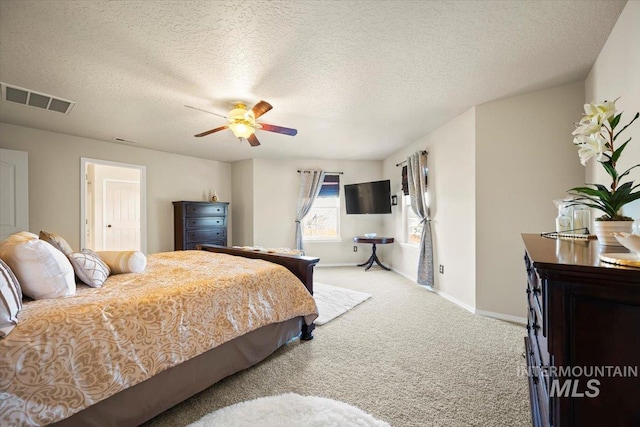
[605,229]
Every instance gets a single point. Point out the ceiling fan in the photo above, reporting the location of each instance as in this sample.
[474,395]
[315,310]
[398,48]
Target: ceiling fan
[242,122]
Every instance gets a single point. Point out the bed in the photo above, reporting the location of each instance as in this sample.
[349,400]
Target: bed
[123,353]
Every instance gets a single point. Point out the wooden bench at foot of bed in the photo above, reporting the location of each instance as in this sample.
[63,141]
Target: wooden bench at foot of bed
[300,266]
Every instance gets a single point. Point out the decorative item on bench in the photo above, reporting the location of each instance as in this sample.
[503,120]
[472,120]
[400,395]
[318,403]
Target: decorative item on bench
[578,234]
[596,136]
[572,216]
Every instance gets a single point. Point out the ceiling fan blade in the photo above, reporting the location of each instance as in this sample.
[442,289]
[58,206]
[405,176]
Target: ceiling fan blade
[253,140]
[260,108]
[209,132]
[278,129]
[205,111]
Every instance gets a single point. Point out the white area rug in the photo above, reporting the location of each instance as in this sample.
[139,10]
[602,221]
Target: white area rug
[289,410]
[333,301]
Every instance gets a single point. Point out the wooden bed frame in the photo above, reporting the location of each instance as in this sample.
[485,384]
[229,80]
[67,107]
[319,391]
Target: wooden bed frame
[301,266]
[140,403]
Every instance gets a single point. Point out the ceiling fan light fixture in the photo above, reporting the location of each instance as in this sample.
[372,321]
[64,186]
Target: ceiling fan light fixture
[241,130]
[242,122]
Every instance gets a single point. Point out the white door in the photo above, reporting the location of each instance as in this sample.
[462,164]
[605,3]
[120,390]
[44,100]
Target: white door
[14,192]
[121,215]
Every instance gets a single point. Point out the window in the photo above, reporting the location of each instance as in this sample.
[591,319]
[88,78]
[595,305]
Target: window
[412,224]
[323,220]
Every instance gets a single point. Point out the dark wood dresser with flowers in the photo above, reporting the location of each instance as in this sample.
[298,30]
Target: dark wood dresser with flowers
[197,223]
[583,335]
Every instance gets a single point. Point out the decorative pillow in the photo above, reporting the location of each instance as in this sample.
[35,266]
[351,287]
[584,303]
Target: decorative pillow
[57,241]
[42,270]
[124,261]
[21,236]
[89,268]
[10,300]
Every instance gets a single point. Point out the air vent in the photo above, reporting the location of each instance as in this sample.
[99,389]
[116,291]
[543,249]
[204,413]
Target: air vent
[128,141]
[34,99]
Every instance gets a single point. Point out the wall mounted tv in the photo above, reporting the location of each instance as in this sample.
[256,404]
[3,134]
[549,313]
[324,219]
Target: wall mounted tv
[368,197]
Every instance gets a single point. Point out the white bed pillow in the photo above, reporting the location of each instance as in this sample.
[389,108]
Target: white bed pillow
[10,300]
[89,268]
[42,270]
[124,261]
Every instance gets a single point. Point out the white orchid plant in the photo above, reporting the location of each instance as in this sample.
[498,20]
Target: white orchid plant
[595,136]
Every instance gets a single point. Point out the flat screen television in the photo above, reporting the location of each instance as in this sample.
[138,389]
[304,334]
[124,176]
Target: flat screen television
[368,197]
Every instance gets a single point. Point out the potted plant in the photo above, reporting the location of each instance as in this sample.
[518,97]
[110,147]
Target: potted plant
[596,136]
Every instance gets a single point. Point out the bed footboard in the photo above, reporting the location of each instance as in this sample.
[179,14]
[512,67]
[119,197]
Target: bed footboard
[300,266]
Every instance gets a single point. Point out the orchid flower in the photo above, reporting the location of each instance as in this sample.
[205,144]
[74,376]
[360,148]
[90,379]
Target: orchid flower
[595,136]
[592,145]
[599,112]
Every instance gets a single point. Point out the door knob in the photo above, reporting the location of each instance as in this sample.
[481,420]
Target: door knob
[109,226]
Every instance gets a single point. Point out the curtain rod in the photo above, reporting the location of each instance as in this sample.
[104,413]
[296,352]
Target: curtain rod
[404,161]
[330,173]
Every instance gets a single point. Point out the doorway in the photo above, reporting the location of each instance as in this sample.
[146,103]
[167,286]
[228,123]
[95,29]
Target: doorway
[113,206]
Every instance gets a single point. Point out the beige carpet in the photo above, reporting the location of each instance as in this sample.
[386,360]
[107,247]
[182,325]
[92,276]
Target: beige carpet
[406,356]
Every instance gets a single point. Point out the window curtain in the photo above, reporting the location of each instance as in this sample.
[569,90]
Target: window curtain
[417,181]
[405,181]
[310,184]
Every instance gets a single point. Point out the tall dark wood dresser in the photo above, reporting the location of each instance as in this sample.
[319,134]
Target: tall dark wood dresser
[583,335]
[196,223]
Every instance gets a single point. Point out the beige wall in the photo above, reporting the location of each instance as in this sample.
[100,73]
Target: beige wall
[493,174]
[615,74]
[274,185]
[54,181]
[524,160]
[242,202]
[451,189]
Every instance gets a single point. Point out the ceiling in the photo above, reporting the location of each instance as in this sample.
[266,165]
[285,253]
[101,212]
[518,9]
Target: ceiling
[358,79]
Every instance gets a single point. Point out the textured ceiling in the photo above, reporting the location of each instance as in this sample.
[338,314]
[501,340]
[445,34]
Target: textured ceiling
[358,79]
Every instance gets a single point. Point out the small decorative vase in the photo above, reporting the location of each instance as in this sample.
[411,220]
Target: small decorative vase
[604,230]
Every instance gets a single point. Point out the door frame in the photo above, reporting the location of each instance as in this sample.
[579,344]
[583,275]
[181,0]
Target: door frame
[84,161]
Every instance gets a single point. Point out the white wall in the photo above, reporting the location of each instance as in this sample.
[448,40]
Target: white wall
[54,181]
[525,159]
[274,188]
[615,74]
[451,188]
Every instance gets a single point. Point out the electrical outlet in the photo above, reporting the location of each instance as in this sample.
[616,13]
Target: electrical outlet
[441,269]
[355,248]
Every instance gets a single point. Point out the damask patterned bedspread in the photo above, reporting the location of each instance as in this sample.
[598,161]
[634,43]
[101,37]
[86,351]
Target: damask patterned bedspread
[69,353]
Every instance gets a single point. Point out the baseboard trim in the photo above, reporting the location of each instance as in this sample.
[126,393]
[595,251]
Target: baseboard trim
[468,307]
[505,317]
[406,276]
[456,301]
[320,264]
